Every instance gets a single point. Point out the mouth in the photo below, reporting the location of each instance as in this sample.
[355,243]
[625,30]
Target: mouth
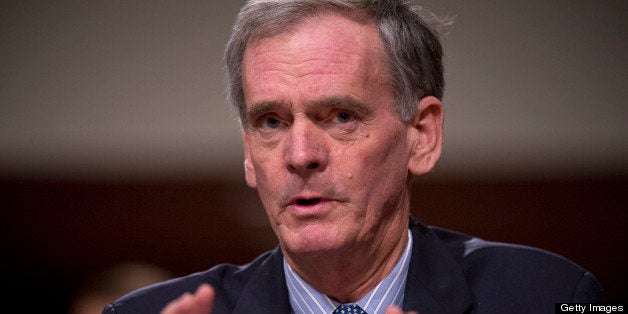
[307,201]
[308,206]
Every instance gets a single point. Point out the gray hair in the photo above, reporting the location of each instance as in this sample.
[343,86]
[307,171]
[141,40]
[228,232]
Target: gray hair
[412,46]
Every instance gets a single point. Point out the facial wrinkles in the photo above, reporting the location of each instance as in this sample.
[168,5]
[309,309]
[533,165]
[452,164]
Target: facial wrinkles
[308,70]
[308,74]
[310,78]
[393,157]
[300,58]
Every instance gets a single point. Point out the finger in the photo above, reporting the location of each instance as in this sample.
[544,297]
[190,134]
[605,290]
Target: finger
[178,305]
[393,309]
[200,302]
[205,296]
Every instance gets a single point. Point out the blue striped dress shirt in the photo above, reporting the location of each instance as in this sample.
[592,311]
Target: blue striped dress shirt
[306,300]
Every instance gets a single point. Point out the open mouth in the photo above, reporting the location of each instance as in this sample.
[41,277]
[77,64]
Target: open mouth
[308,201]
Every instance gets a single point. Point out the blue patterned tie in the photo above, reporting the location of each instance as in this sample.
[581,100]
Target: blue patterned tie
[349,309]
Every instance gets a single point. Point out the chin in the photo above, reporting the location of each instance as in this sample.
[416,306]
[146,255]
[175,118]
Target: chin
[312,239]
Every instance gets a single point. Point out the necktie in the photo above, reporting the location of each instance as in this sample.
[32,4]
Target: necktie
[349,309]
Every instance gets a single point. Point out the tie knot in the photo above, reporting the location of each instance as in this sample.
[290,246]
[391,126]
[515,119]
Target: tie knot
[349,309]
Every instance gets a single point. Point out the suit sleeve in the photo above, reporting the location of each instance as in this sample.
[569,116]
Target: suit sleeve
[109,309]
[588,290]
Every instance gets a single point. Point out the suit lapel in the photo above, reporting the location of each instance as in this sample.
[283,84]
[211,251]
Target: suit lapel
[266,291]
[435,283]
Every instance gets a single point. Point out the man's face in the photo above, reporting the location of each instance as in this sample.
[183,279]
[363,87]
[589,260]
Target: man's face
[324,146]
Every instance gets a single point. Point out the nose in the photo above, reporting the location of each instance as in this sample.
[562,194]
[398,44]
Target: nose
[306,148]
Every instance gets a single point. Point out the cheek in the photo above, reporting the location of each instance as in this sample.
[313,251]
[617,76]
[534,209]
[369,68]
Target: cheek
[385,155]
[384,168]
[272,178]
[375,169]
[266,177]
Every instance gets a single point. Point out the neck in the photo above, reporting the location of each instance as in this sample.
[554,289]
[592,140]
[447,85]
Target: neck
[349,280]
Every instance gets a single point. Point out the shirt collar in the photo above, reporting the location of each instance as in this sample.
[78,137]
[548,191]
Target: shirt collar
[305,299]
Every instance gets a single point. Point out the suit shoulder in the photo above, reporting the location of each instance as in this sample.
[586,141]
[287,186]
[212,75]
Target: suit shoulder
[497,266]
[226,279]
[517,258]
[469,250]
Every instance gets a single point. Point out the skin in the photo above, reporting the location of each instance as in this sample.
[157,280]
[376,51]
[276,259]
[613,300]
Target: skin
[328,154]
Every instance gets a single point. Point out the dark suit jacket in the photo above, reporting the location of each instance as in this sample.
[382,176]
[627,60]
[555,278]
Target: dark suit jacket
[449,273]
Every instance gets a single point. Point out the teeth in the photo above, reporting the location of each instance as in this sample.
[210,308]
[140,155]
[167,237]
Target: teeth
[309,201]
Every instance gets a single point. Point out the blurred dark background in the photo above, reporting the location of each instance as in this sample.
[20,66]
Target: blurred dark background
[116,144]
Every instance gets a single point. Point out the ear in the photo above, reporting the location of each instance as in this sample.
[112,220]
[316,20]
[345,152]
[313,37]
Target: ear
[249,169]
[428,141]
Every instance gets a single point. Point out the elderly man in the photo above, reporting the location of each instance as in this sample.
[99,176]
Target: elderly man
[339,103]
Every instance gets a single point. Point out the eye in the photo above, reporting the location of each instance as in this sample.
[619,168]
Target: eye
[271,123]
[343,117]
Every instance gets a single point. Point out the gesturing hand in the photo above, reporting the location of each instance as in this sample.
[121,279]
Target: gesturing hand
[200,302]
[396,310]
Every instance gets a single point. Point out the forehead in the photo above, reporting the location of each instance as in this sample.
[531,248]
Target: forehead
[323,45]
[353,25]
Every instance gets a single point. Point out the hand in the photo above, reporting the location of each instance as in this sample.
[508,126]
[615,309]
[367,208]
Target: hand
[396,310]
[201,302]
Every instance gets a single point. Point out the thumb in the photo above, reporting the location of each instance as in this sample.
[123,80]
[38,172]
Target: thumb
[393,309]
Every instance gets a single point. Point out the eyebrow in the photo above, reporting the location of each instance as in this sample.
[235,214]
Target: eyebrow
[259,109]
[344,102]
[332,102]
